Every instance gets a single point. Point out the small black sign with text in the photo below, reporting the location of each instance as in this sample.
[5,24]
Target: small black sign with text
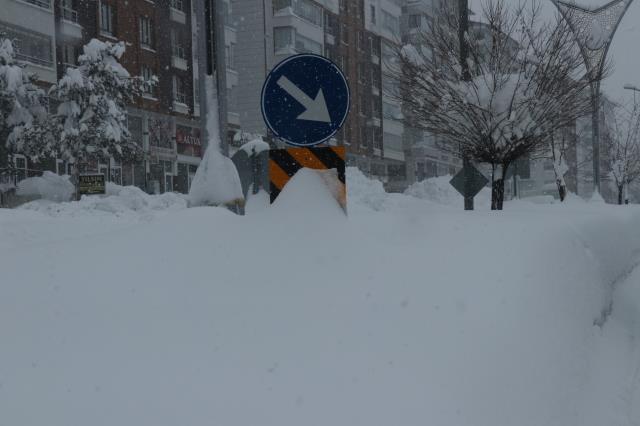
[91,184]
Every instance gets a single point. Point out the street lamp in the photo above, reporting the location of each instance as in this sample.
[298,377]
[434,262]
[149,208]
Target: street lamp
[594,29]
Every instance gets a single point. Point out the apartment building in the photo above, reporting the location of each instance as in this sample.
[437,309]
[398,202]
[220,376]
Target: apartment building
[357,53]
[424,158]
[32,23]
[353,34]
[161,40]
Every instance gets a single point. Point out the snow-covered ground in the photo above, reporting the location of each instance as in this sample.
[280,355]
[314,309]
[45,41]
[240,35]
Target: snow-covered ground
[408,312]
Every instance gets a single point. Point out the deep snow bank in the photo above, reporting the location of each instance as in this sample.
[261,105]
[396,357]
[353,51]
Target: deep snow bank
[405,313]
[49,186]
[440,191]
[119,200]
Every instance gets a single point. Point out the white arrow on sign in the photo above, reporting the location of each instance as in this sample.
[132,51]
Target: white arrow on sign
[316,109]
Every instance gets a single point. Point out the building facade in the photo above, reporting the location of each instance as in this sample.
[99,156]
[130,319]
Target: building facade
[161,39]
[353,34]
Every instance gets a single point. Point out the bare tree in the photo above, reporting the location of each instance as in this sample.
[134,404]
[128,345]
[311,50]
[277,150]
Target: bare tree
[559,145]
[524,72]
[622,147]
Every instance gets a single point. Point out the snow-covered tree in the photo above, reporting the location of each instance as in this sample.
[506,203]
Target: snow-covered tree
[622,145]
[20,104]
[502,103]
[90,123]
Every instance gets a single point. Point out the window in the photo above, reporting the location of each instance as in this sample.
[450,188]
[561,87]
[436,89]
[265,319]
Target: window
[362,73]
[179,93]
[146,32]
[147,75]
[374,79]
[376,108]
[107,19]
[230,56]
[134,124]
[390,22]
[306,45]
[363,106]
[415,21]
[373,14]
[375,46]
[347,135]
[364,141]
[305,9]
[344,60]
[177,4]
[196,91]
[177,49]
[29,46]
[282,38]
[67,11]
[376,136]
[20,163]
[344,34]
[361,39]
[69,55]
[330,24]
[391,111]
[287,38]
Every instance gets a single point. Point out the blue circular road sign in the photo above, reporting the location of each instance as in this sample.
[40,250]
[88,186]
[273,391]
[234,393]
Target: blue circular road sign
[305,100]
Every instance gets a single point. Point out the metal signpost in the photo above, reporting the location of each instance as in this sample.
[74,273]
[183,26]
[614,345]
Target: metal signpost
[305,100]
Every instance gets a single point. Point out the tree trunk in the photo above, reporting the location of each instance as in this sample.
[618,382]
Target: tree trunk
[620,195]
[562,190]
[497,194]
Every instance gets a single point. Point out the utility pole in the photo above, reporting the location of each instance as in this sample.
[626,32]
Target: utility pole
[463,28]
[212,64]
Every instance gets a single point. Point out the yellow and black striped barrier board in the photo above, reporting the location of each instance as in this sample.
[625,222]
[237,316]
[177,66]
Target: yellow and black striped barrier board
[285,163]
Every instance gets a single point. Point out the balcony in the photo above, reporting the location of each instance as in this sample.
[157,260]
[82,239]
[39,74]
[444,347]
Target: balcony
[40,3]
[179,63]
[180,107]
[374,121]
[177,15]
[69,23]
[329,39]
[178,58]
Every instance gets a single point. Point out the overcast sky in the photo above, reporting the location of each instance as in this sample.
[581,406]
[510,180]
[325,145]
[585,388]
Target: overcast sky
[624,53]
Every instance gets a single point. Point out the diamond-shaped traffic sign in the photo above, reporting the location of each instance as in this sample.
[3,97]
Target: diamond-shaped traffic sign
[470,188]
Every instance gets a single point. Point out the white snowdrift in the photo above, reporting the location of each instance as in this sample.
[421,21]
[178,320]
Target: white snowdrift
[49,186]
[255,146]
[440,191]
[120,200]
[406,314]
[216,182]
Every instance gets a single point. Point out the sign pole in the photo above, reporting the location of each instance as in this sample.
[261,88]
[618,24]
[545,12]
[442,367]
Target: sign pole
[463,28]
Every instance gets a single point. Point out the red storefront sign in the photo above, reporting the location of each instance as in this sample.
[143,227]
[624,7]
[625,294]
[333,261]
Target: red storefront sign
[188,141]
